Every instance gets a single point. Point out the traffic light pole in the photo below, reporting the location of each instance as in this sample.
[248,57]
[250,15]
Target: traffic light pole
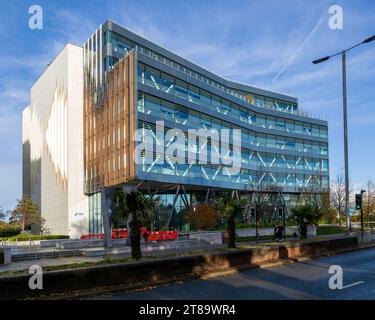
[362,218]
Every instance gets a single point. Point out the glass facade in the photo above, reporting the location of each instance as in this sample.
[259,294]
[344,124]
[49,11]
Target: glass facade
[176,114]
[280,145]
[161,81]
[122,46]
[95,217]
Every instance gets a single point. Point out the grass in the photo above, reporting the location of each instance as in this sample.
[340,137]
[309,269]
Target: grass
[27,237]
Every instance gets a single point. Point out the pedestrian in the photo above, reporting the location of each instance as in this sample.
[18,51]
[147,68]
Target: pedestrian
[145,237]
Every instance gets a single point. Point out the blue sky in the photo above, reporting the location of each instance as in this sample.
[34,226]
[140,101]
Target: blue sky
[265,43]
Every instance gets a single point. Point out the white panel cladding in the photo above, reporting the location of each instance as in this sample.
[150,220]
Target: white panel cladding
[56,134]
[78,203]
[53,125]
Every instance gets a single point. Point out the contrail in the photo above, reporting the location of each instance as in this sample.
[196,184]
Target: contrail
[299,49]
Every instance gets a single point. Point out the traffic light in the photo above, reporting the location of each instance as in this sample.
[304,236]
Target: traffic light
[358,201]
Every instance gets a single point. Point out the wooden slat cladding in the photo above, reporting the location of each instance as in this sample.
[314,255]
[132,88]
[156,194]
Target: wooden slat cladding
[111,162]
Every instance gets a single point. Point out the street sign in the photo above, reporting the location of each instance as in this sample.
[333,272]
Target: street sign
[352,211]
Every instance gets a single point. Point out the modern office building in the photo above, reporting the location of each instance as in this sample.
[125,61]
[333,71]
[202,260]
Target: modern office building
[133,85]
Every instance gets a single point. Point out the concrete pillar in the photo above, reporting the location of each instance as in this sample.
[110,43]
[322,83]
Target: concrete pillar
[106,219]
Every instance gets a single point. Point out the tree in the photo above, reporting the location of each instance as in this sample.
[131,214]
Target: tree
[369,200]
[229,208]
[43,228]
[260,200]
[305,215]
[337,195]
[139,209]
[203,216]
[4,214]
[25,214]
[118,208]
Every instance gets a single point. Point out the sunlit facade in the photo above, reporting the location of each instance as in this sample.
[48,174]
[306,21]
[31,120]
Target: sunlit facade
[53,146]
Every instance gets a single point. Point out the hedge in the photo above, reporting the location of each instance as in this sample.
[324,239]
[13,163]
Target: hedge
[324,230]
[27,237]
[9,230]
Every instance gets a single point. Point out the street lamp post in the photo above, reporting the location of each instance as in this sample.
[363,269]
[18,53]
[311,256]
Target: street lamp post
[343,55]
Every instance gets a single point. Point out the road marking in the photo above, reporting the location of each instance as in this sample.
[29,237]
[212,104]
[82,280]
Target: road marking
[352,284]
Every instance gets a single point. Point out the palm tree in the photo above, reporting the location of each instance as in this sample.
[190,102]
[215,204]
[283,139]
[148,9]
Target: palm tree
[229,209]
[306,215]
[139,208]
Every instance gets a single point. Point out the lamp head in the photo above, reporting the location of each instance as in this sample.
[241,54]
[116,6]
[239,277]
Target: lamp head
[320,60]
[369,39]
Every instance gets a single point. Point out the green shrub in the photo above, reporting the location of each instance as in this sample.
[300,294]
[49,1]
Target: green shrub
[27,237]
[253,238]
[9,230]
[323,230]
[261,225]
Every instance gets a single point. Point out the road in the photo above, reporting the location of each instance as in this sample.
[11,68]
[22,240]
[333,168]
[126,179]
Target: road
[303,280]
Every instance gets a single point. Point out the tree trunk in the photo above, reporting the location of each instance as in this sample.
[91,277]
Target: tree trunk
[303,231]
[135,238]
[231,228]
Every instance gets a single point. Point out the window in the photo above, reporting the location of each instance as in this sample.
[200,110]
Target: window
[280,124]
[271,141]
[181,116]
[307,129]
[323,132]
[194,96]
[268,103]
[252,118]
[290,144]
[205,100]
[261,140]
[261,121]
[259,101]
[323,148]
[299,128]
[270,122]
[315,130]
[299,145]
[280,143]
[307,147]
[243,115]
[181,90]
[290,126]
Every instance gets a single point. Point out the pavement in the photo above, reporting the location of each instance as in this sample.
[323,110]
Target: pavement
[301,280]
[25,265]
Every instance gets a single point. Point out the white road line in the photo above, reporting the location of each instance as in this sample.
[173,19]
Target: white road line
[352,284]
